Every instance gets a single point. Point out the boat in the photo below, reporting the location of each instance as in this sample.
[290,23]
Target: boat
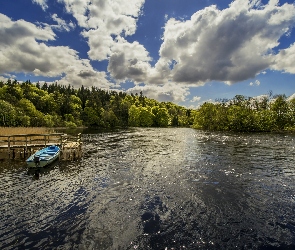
[43,157]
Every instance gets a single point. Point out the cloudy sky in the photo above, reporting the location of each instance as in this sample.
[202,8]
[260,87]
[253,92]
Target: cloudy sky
[184,51]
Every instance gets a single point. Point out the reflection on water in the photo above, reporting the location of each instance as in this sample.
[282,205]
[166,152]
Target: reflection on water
[155,189]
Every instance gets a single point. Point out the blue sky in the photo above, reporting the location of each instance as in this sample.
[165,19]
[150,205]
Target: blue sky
[187,52]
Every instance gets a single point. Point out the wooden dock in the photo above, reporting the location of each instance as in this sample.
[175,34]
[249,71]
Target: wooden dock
[23,145]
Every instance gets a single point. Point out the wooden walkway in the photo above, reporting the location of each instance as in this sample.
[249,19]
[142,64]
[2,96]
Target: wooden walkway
[23,145]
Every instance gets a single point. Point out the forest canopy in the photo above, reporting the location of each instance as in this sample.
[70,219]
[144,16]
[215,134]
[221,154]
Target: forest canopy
[53,105]
[245,114]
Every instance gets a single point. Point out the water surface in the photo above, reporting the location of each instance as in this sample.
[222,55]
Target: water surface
[155,189]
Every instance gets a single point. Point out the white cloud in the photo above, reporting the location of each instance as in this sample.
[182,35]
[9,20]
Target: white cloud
[196,99]
[86,77]
[129,60]
[23,49]
[227,45]
[284,60]
[103,20]
[257,83]
[291,97]
[4,79]
[164,93]
[42,3]
[62,24]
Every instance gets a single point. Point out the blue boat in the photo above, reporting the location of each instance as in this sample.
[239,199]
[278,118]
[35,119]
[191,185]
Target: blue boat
[43,157]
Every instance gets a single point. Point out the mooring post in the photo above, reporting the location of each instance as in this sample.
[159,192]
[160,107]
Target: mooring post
[8,141]
[26,147]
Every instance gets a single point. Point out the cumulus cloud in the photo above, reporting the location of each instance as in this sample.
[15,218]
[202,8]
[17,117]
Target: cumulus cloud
[62,25]
[256,83]
[23,49]
[291,97]
[11,32]
[129,61]
[104,20]
[164,93]
[42,3]
[227,45]
[87,77]
[284,60]
[196,99]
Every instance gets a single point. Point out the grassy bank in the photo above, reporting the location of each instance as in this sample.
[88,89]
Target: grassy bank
[24,130]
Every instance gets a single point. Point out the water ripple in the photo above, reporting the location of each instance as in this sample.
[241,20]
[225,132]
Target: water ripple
[155,189]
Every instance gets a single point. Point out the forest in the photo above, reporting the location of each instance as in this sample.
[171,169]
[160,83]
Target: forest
[52,105]
[245,114]
[27,104]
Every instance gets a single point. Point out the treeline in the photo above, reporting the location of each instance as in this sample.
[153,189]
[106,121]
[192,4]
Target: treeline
[53,105]
[269,113]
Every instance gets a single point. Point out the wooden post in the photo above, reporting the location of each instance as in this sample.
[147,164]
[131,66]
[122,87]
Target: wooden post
[26,148]
[8,141]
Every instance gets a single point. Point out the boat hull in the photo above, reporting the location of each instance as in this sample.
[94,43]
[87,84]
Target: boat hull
[43,157]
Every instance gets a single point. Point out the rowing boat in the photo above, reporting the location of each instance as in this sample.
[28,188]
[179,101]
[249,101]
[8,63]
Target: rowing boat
[43,157]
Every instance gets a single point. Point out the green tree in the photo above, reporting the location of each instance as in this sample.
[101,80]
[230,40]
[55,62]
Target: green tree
[110,119]
[134,116]
[91,117]
[146,117]
[281,112]
[8,114]
[161,116]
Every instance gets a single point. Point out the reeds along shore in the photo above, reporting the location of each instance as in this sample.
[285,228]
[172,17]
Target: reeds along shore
[24,130]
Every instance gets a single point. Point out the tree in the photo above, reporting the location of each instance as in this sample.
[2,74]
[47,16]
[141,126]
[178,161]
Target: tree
[281,112]
[161,116]
[90,117]
[8,114]
[110,119]
[134,116]
[146,117]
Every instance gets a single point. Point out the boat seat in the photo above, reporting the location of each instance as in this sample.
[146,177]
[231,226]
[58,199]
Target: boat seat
[51,153]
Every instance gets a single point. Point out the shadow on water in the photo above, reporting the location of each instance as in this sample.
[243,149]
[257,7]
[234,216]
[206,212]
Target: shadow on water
[155,189]
[38,172]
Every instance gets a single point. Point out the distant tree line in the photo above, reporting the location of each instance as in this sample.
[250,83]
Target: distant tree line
[53,105]
[266,114]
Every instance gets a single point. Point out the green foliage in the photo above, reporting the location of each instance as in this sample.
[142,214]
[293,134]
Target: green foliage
[51,105]
[161,116]
[146,118]
[8,114]
[281,112]
[26,104]
[247,115]
[110,120]
[134,114]
[91,117]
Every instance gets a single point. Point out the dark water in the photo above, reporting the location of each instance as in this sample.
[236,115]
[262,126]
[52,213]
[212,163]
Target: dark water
[156,189]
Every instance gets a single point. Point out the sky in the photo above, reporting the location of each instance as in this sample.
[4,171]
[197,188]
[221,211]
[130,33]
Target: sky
[184,51]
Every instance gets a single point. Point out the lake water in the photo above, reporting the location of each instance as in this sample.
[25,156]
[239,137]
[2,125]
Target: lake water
[156,189]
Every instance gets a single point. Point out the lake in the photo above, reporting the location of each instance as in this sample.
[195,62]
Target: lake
[155,188]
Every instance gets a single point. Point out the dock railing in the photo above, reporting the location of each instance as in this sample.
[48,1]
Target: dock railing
[25,143]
